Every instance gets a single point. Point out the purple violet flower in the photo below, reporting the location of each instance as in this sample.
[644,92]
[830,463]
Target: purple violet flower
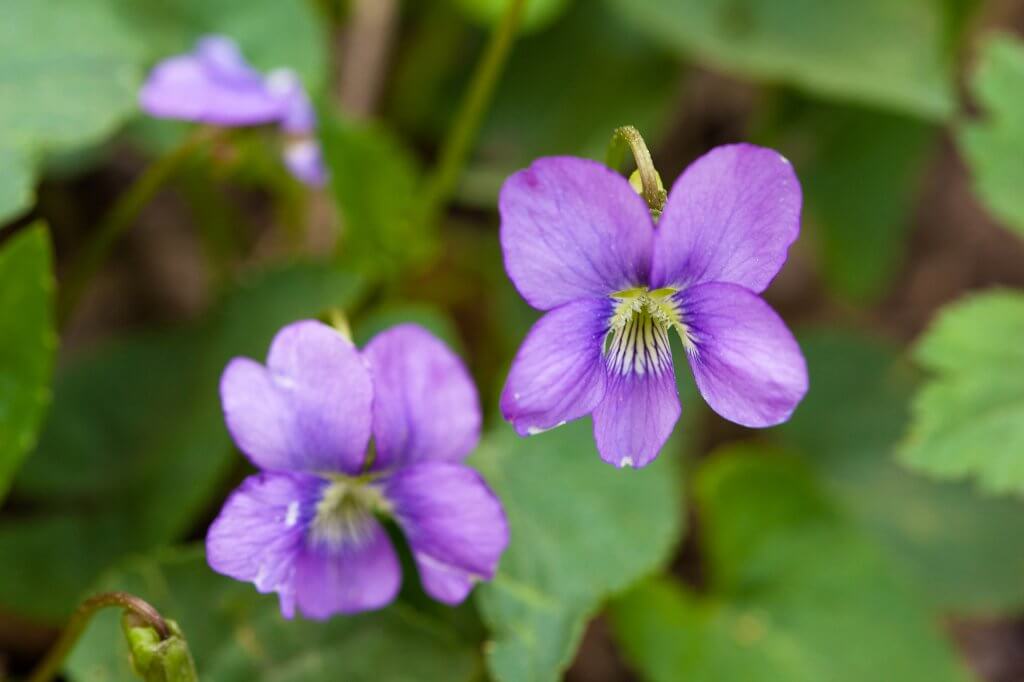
[215,85]
[580,244]
[307,526]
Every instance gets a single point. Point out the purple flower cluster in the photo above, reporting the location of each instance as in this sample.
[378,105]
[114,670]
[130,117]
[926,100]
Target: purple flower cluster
[581,245]
[215,85]
[307,527]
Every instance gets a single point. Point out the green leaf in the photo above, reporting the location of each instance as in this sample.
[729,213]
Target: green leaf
[375,182]
[860,171]
[962,549]
[69,76]
[135,447]
[994,146]
[537,14]
[581,531]
[795,592]
[877,52]
[968,419]
[28,342]
[238,635]
[270,33]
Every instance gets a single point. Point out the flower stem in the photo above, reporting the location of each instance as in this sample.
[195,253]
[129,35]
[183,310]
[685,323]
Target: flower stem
[456,146]
[121,217]
[50,665]
[628,137]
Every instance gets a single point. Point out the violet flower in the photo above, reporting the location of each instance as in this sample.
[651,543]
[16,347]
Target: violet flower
[215,85]
[307,527]
[580,244]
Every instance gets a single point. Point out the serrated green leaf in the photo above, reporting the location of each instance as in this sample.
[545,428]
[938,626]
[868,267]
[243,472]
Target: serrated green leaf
[795,592]
[237,635]
[878,52]
[135,445]
[968,419]
[962,549]
[28,342]
[994,145]
[581,531]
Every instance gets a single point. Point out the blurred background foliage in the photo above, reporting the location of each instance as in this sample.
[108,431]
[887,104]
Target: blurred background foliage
[879,535]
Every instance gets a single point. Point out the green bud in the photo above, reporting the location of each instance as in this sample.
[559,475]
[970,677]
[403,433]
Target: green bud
[154,659]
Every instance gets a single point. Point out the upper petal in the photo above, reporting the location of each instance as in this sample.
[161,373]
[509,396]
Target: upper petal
[636,416]
[213,85]
[425,403]
[746,363]
[259,533]
[455,525]
[730,217]
[308,410]
[572,228]
[558,374]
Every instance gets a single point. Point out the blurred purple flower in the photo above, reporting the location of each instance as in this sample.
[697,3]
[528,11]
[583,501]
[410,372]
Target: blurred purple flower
[215,85]
[307,526]
[579,243]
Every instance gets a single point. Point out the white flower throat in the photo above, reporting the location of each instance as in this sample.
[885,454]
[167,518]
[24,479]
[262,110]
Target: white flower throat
[637,341]
[346,506]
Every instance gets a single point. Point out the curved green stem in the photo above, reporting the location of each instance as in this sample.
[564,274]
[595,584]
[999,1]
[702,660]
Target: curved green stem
[456,146]
[121,217]
[50,665]
[628,137]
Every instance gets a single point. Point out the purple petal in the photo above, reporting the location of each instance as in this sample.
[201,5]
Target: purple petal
[259,534]
[730,217]
[572,228]
[455,525]
[213,86]
[636,417]
[425,403]
[298,116]
[308,410]
[304,160]
[747,364]
[361,575]
[558,374]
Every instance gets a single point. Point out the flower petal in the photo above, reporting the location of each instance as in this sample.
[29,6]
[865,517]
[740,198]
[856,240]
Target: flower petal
[731,217]
[747,364]
[308,410]
[558,374]
[572,228]
[425,403]
[455,525]
[192,88]
[636,416]
[304,160]
[259,534]
[361,575]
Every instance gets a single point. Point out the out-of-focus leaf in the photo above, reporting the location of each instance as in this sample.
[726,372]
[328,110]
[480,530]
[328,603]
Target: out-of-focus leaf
[270,33]
[429,317]
[538,13]
[28,342]
[859,170]
[795,592]
[879,52]
[968,419]
[69,75]
[238,635]
[575,84]
[964,550]
[135,445]
[994,146]
[375,182]
[581,531]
